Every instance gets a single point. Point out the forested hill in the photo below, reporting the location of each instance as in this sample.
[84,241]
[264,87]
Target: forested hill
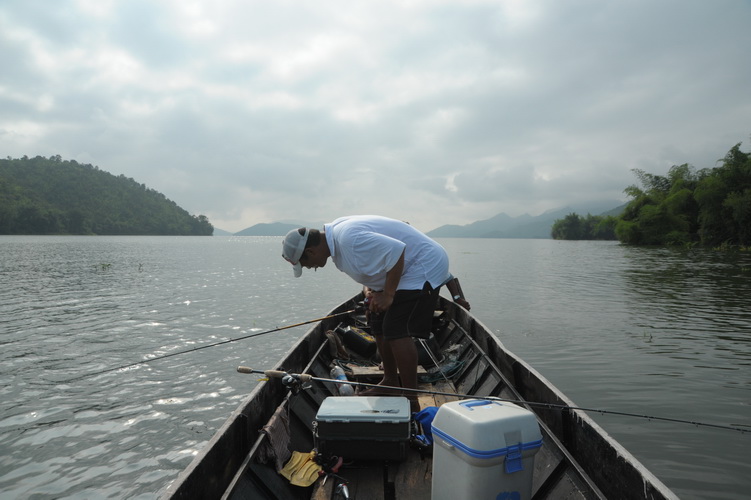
[51,196]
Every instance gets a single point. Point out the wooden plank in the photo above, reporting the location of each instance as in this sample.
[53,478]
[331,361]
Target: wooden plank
[363,372]
[366,482]
[444,386]
[427,399]
[413,478]
[323,491]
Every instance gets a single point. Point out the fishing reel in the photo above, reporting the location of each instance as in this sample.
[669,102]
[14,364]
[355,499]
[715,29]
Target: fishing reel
[295,382]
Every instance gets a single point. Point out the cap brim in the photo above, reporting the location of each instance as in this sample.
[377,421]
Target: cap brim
[297,270]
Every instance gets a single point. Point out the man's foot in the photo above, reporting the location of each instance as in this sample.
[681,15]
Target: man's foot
[382,389]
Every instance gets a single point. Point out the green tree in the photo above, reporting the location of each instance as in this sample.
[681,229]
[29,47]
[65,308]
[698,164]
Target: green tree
[591,227]
[568,228]
[604,229]
[662,211]
[688,206]
[723,200]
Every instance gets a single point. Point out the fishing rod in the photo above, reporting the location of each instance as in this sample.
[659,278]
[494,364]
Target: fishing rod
[228,341]
[289,378]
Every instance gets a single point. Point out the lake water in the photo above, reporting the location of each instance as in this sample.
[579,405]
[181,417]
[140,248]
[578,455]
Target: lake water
[657,332]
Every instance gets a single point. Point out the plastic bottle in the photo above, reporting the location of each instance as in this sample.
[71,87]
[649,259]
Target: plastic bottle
[344,389]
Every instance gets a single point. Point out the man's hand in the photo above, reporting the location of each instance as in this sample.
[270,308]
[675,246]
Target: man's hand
[463,302]
[380,301]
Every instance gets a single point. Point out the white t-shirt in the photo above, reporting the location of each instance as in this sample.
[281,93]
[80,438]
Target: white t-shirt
[366,247]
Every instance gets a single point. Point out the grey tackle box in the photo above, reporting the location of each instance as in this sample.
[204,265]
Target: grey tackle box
[363,428]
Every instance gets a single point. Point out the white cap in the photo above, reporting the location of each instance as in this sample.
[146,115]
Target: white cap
[293,247]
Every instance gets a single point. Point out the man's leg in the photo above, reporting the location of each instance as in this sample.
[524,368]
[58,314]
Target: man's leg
[390,372]
[390,363]
[404,353]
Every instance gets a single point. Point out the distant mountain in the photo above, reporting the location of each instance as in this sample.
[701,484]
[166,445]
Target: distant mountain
[221,232]
[615,212]
[480,229]
[523,226]
[276,228]
[272,229]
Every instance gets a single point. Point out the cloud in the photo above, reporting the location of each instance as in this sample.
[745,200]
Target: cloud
[432,111]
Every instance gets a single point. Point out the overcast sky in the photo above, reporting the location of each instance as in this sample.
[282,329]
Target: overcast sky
[435,112]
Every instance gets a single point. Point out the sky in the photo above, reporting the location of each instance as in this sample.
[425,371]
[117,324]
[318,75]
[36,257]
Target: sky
[434,112]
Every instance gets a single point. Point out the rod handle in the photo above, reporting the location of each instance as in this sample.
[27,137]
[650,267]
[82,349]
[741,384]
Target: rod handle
[275,373]
[246,369]
[304,377]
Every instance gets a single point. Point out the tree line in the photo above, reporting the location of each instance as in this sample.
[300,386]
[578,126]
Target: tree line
[52,196]
[591,227]
[710,206]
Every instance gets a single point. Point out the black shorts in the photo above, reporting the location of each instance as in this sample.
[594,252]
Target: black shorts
[410,315]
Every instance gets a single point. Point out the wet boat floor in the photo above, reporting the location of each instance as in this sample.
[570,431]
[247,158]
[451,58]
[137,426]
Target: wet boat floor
[389,480]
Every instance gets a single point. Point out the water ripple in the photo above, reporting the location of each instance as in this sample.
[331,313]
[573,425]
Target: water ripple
[659,330]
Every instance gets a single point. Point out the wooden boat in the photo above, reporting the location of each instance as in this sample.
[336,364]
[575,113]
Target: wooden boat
[578,459]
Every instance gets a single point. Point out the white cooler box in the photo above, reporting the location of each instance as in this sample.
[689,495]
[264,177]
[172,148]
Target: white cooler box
[484,450]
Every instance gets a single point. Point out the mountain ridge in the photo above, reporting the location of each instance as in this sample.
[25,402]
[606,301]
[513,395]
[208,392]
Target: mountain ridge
[500,225]
[523,226]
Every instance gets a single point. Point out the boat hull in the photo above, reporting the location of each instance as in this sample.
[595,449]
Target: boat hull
[577,460]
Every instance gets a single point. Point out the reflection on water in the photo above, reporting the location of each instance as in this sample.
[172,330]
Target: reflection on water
[693,305]
[661,332]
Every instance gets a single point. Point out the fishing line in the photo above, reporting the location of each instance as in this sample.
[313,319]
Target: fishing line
[228,341]
[551,406]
